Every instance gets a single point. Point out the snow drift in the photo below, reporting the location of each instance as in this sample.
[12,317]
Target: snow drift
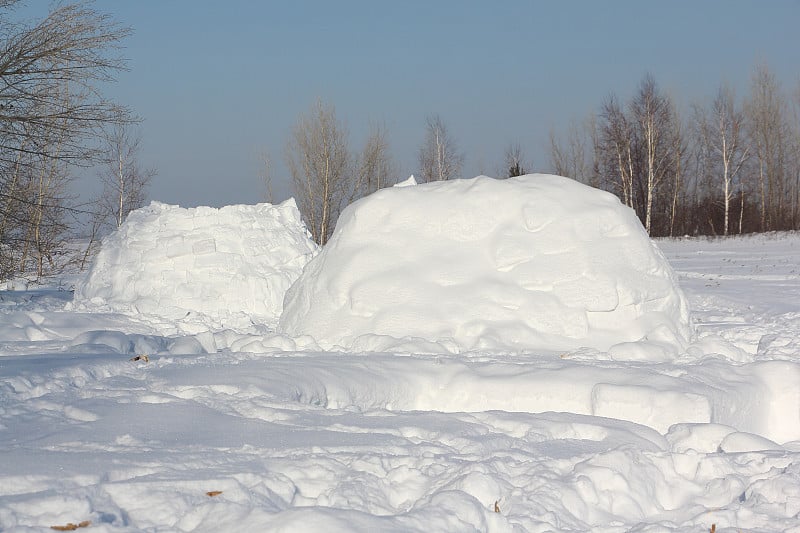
[535,262]
[200,268]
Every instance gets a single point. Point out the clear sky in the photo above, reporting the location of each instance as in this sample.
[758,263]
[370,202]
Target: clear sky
[217,83]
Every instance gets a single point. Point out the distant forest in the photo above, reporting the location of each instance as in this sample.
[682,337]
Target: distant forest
[728,166]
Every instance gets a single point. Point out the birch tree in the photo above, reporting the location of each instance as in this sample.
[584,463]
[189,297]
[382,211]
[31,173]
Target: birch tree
[319,164]
[679,152]
[638,151]
[723,135]
[615,149]
[439,158]
[654,118]
[766,112]
[374,167]
[32,221]
[125,182]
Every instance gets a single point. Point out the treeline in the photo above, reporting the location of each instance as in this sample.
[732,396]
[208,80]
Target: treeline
[727,165]
[53,120]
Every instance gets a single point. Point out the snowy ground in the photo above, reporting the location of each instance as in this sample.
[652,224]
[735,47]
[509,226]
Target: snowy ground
[298,440]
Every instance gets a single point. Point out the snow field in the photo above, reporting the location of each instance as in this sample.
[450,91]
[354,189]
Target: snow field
[200,268]
[720,276]
[296,443]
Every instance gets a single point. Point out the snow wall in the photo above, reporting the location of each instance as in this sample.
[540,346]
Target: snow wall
[200,268]
[527,263]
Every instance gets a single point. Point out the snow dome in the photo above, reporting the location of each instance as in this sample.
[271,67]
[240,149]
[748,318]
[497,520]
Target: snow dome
[537,262]
[200,268]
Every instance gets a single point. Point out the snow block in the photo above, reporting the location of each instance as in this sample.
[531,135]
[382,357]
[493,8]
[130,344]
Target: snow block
[658,409]
[534,262]
[200,268]
[780,397]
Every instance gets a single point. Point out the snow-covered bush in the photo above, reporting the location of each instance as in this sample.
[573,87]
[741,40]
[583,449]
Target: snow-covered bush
[537,262]
[200,268]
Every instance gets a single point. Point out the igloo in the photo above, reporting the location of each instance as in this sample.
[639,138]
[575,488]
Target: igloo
[200,268]
[537,262]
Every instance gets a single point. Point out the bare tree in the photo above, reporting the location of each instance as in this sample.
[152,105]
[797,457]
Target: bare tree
[654,116]
[766,112]
[97,219]
[515,161]
[439,158]
[374,168]
[319,164]
[678,152]
[638,152]
[32,221]
[50,73]
[794,159]
[265,176]
[124,187]
[42,225]
[50,112]
[614,150]
[723,136]
[125,183]
[572,157]
[560,157]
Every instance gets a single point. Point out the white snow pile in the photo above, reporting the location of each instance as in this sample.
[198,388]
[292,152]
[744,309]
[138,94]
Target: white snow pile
[535,262]
[200,268]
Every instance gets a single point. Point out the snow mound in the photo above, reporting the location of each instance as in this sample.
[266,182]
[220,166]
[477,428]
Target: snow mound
[200,268]
[535,262]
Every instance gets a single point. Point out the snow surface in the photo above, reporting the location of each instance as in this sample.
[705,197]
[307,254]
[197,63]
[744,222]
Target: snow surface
[301,439]
[528,263]
[200,268]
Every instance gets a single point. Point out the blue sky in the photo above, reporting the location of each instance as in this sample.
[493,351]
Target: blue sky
[218,83]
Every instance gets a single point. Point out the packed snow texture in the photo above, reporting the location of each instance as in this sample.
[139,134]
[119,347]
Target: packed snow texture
[534,262]
[200,268]
[227,431]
